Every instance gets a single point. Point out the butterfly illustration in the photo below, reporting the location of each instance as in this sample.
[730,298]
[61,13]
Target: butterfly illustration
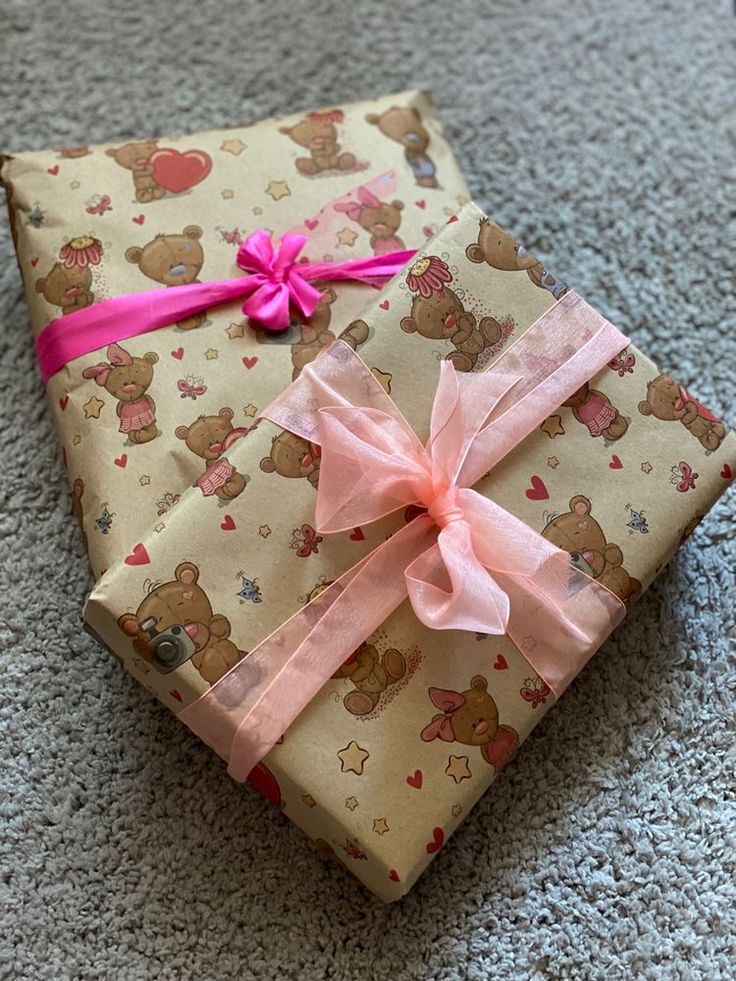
[683,476]
[190,387]
[232,238]
[167,502]
[100,204]
[536,691]
[638,521]
[623,365]
[104,522]
[250,589]
[36,217]
[305,540]
[351,849]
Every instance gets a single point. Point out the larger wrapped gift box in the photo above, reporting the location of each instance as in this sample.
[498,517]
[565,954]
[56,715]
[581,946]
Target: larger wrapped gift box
[95,222]
[393,752]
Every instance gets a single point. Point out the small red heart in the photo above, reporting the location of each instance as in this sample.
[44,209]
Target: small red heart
[615,463]
[394,875]
[175,694]
[121,461]
[34,262]
[250,362]
[53,170]
[384,305]
[227,524]
[356,535]
[139,556]
[415,779]
[726,472]
[63,402]
[421,204]
[178,353]
[311,223]
[538,490]
[438,841]
[500,664]
[139,219]
[452,219]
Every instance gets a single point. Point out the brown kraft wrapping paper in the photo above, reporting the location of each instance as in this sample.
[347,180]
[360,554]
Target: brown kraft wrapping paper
[618,476]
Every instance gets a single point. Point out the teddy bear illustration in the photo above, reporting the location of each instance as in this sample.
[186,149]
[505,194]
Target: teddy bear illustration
[371,673]
[175,623]
[68,284]
[594,410]
[77,509]
[136,157]
[501,251]
[128,379]
[174,260]
[438,314]
[381,219]
[73,152]
[293,456]
[471,717]
[315,335]
[670,402]
[577,532]
[404,125]
[209,437]
[318,134]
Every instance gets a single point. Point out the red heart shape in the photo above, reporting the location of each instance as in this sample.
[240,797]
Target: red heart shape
[384,305]
[438,836]
[178,353]
[726,472]
[415,779]
[452,219]
[177,172]
[175,694]
[356,535]
[34,262]
[63,402]
[538,490]
[262,780]
[500,664]
[421,204]
[227,524]
[615,463]
[121,461]
[139,219]
[250,362]
[139,556]
[394,875]
[311,223]
[53,170]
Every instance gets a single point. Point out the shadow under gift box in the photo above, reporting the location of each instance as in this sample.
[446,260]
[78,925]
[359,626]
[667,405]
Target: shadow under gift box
[95,222]
[403,739]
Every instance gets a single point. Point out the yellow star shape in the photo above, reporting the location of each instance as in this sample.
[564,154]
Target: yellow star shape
[74,185]
[646,467]
[346,236]
[309,801]
[456,810]
[380,826]
[384,379]
[227,194]
[457,768]
[552,462]
[257,210]
[159,527]
[93,407]
[235,330]
[552,426]
[352,758]
[250,410]
[278,190]
[351,803]
[77,440]
[264,531]
[211,354]
[144,480]
[235,147]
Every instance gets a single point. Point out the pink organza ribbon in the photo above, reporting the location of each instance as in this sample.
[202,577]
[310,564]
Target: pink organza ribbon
[277,282]
[465,564]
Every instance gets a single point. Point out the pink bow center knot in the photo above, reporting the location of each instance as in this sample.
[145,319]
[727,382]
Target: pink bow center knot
[445,507]
[276,281]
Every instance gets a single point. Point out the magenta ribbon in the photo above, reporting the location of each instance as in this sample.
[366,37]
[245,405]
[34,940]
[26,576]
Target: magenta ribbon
[277,281]
[464,564]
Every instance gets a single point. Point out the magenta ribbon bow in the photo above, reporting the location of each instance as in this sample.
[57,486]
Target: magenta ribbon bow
[465,563]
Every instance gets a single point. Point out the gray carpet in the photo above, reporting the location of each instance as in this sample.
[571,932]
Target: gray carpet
[599,132]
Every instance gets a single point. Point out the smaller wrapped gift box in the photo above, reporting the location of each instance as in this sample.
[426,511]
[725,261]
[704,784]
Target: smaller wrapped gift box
[408,732]
[95,222]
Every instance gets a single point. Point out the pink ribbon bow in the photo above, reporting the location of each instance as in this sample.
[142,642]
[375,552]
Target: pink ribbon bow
[465,564]
[448,702]
[116,356]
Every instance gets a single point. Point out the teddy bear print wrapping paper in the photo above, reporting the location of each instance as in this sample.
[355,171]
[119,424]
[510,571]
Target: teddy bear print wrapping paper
[141,420]
[400,742]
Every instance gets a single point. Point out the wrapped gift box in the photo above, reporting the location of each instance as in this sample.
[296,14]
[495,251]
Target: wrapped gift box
[95,222]
[389,757]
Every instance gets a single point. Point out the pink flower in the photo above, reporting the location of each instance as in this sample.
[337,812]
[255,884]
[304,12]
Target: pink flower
[81,252]
[326,116]
[428,276]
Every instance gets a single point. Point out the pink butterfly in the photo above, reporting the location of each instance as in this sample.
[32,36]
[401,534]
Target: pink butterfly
[683,476]
[305,540]
[535,691]
[232,238]
[100,205]
[622,365]
[190,387]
